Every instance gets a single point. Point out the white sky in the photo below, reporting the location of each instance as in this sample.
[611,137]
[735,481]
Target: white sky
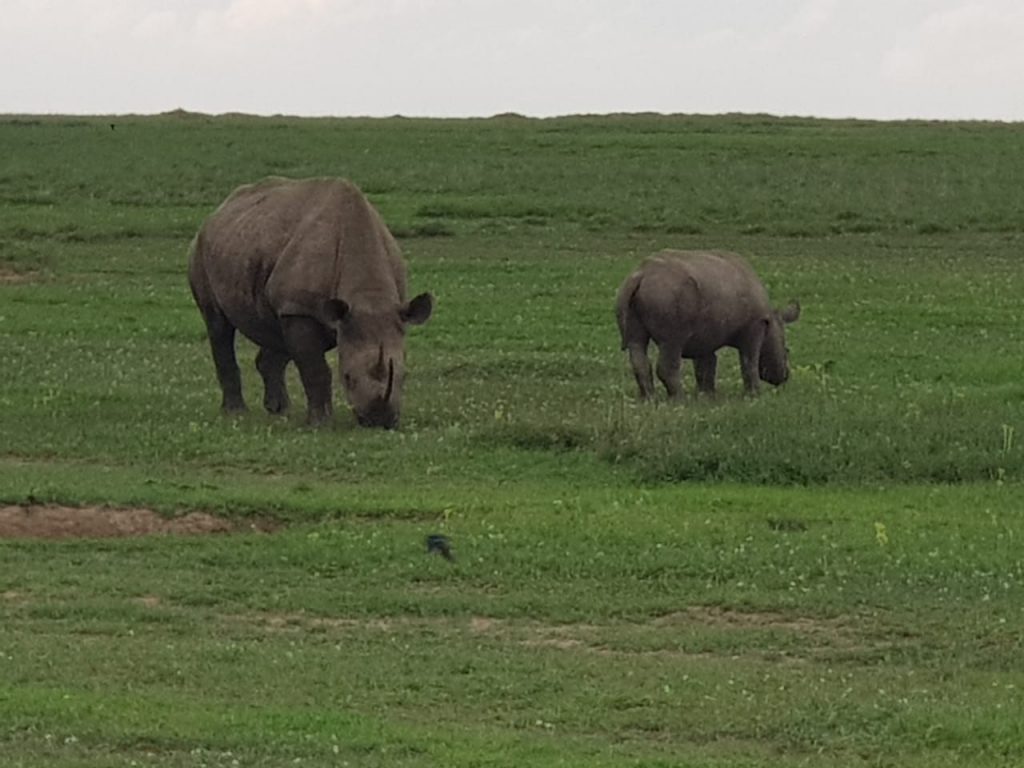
[830,58]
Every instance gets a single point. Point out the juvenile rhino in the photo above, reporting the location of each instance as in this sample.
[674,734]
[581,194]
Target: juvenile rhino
[299,267]
[691,303]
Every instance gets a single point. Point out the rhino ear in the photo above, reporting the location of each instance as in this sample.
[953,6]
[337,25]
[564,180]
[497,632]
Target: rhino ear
[417,311]
[335,310]
[791,313]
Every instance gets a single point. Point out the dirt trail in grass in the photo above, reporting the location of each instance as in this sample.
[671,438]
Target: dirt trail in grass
[10,277]
[696,632]
[56,522]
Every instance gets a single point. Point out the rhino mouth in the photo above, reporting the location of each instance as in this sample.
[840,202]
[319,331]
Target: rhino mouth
[380,414]
[775,378]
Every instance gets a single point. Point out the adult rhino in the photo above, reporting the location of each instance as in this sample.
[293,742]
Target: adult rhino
[299,267]
[692,303]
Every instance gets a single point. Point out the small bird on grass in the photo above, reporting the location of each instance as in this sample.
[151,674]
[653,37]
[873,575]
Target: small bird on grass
[440,544]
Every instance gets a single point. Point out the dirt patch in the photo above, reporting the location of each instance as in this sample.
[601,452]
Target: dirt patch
[672,636]
[299,621]
[54,522]
[561,641]
[528,633]
[728,619]
[10,277]
[482,624]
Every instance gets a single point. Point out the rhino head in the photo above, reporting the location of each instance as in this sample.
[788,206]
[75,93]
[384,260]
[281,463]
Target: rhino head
[371,355]
[774,362]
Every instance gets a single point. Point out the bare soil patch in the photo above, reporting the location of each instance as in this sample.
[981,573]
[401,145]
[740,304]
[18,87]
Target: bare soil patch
[10,277]
[730,619]
[56,522]
[801,638]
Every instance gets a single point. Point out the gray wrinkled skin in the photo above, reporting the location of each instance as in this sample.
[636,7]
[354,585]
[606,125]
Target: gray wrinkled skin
[693,303]
[300,267]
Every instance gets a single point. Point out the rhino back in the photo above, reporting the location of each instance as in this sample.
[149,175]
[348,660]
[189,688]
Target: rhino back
[283,247]
[703,297]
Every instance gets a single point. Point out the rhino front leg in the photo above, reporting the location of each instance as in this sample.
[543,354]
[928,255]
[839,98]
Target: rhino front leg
[705,370]
[750,357]
[271,364]
[307,340]
[670,358]
[748,368]
[222,344]
[642,370]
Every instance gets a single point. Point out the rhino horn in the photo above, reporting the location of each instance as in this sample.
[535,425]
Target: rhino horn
[391,380]
[378,369]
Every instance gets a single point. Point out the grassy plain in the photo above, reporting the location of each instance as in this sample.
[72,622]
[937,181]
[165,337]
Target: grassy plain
[828,575]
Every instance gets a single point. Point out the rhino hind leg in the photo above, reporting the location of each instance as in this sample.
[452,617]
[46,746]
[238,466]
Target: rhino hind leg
[271,364]
[222,344]
[307,341]
[670,358]
[642,369]
[705,370]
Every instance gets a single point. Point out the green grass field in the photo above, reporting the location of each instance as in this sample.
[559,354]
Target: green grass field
[829,575]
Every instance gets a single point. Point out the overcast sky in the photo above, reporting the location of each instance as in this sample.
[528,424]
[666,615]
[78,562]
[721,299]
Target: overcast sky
[831,58]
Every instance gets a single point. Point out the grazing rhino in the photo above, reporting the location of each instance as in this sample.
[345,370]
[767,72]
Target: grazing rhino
[691,303]
[299,267]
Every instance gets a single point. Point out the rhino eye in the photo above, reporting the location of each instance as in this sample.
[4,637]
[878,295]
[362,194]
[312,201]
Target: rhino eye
[348,380]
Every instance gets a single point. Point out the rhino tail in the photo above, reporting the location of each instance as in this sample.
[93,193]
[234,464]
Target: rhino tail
[198,281]
[625,313]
